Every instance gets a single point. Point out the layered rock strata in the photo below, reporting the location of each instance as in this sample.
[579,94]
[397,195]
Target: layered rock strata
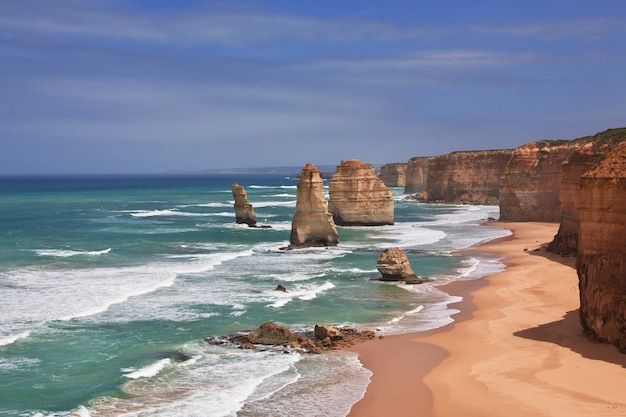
[358,197]
[531,185]
[471,177]
[393,175]
[586,157]
[416,175]
[394,265]
[312,224]
[601,261]
[244,212]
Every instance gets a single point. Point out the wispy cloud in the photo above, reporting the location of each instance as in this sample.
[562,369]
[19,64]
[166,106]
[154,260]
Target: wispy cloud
[205,25]
[589,28]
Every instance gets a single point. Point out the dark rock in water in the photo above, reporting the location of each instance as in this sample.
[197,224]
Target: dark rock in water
[280,288]
[393,265]
[272,334]
[328,338]
[323,332]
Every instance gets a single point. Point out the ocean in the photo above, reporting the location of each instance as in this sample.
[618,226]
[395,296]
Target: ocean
[110,286]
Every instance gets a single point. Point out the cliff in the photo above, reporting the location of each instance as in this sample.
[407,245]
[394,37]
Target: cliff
[312,224]
[358,197]
[244,212]
[531,184]
[601,261]
[471,177]
[416,174]
[586,157]
[393,175]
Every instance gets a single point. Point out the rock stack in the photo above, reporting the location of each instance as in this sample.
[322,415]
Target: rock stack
[358,197]
[312,224]
[394,265]
[244,212]
[601,258]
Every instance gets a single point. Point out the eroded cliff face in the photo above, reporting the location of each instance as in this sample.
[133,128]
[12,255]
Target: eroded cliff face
[393,175]
[601,261]
[358,197]
[312,224]
[471,177]
[416,174]
[586,157]
[531,184]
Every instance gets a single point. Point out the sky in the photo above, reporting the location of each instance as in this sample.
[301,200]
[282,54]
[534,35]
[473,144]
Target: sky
[152,86]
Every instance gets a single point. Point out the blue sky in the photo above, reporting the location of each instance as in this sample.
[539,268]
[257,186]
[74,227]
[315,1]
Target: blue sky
[153,86]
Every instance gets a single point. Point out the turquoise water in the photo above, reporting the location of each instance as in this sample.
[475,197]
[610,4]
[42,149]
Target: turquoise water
[109,286]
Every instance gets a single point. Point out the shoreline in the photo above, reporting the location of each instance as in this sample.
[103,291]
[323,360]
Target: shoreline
[516,347]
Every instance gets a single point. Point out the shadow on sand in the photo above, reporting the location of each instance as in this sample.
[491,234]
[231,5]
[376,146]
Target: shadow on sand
[569,334]
[568,331]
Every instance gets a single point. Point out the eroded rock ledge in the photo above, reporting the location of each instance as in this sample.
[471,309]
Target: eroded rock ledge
[321,338]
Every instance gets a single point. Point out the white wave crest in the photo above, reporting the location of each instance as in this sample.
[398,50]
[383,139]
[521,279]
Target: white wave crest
[302,292]
[63,253]
[147,371]
[8,340]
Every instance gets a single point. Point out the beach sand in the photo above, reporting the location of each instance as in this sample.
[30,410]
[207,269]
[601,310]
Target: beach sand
[515,349]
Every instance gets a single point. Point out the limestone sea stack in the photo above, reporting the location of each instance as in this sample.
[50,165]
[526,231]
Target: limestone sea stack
[394,265]
[312,224]
[416,175]
[358,197]
[601,261]
[244,212]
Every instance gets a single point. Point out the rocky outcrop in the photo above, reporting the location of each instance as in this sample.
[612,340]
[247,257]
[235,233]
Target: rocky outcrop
[323,338]
[416,175]
[394,265]
[244,212]
[393,175]
[358,197]
[531,184]
[312,224]
[471,177]
[586,157]
[601,261]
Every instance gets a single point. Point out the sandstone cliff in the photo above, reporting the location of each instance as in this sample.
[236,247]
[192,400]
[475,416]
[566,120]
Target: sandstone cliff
[586,157]
[601,262]
[244,213]
[393,175]
[358,197]
[416,174]
[312,224]
[531,184]
[471,177]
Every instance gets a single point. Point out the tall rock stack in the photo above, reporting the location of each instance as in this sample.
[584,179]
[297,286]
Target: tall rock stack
[601,261]
[244,212]
[416,174]
[312,224]
[358,197]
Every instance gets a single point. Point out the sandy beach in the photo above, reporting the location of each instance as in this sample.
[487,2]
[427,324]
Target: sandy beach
[515,349]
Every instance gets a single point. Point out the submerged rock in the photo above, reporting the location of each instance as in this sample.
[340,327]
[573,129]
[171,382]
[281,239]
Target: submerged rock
[394,265]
